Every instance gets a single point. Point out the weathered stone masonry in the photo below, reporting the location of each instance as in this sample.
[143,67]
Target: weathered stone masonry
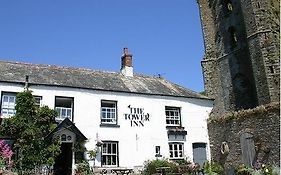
[262,122]
[241,70]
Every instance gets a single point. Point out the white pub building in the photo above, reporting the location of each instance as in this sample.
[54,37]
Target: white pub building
[129,118]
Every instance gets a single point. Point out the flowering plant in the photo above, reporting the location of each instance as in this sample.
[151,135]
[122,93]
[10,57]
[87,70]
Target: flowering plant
[6,154]
[258,169]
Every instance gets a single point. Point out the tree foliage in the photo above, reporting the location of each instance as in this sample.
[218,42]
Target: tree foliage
[29,129]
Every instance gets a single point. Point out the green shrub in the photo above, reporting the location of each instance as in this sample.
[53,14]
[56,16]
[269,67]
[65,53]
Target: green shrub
[83,168]
[150,166]
[213,168]
[183,162]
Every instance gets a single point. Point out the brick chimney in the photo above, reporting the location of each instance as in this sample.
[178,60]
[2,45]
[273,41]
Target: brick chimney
[126,63]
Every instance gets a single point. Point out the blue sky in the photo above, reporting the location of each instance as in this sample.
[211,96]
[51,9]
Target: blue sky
[164,36]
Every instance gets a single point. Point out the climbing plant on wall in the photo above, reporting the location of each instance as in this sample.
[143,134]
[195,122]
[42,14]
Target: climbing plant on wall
[29,129]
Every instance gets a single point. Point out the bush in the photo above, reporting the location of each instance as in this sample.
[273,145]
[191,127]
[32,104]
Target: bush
[213,168]
[83,168]
[150,166]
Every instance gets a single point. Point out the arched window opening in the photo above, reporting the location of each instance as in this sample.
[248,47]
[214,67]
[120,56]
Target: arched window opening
[63,137]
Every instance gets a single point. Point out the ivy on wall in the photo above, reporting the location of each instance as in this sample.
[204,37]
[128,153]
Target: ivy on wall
[243,113]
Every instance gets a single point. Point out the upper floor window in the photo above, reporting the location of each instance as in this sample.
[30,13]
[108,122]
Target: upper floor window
[176,150]
[8,104]
[173,117]
[109,153]
[38,100]
[108,112]
[64,107]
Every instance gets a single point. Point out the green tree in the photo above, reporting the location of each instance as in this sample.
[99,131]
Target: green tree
[29,129]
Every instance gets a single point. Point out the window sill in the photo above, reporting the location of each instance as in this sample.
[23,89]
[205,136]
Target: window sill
[110,125]
[158,155]
[178,158]
[174,127]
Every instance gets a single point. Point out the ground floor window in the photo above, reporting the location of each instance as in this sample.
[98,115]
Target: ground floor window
[109,153]
[176,150]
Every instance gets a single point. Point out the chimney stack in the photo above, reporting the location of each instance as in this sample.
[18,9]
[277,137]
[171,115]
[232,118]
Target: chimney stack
[127,63]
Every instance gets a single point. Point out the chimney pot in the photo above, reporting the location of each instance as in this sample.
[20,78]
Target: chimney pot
[125,51]
[127,63]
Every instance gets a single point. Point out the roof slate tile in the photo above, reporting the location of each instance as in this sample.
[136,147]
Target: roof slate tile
[91,79]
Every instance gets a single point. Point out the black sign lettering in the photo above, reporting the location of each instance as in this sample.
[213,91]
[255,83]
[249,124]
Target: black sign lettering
[136,116]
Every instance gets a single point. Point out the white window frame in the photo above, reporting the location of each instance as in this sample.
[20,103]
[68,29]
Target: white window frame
[173,116]
[108,156]
[64,112]
[176,150]
[108,114]
[8,106]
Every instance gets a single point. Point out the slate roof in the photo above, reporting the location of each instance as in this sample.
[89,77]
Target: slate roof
[91,79]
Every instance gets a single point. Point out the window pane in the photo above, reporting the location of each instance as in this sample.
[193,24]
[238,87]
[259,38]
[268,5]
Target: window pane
[171,147]
[68,113]
[5,98]
[63,112]
[109,149]
[180,146]
[180,154]
[114,150]
[104,148]
[103,160]
[12,99]
[108,160]
[114,160]
[176,154]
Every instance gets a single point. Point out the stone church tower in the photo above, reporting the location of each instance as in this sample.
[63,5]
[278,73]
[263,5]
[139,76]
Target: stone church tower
[241,69]
[241,65]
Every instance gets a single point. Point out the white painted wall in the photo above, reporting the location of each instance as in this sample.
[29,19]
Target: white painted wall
[136,144]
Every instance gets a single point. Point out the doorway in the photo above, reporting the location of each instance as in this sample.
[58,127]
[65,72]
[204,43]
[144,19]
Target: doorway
[199,153]
[63,163]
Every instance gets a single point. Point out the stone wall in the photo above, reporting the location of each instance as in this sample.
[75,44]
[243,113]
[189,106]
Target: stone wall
[241,69]
[241,53]
[262,122]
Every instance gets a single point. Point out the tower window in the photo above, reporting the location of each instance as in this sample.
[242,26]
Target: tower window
[258,5]
[271,69]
